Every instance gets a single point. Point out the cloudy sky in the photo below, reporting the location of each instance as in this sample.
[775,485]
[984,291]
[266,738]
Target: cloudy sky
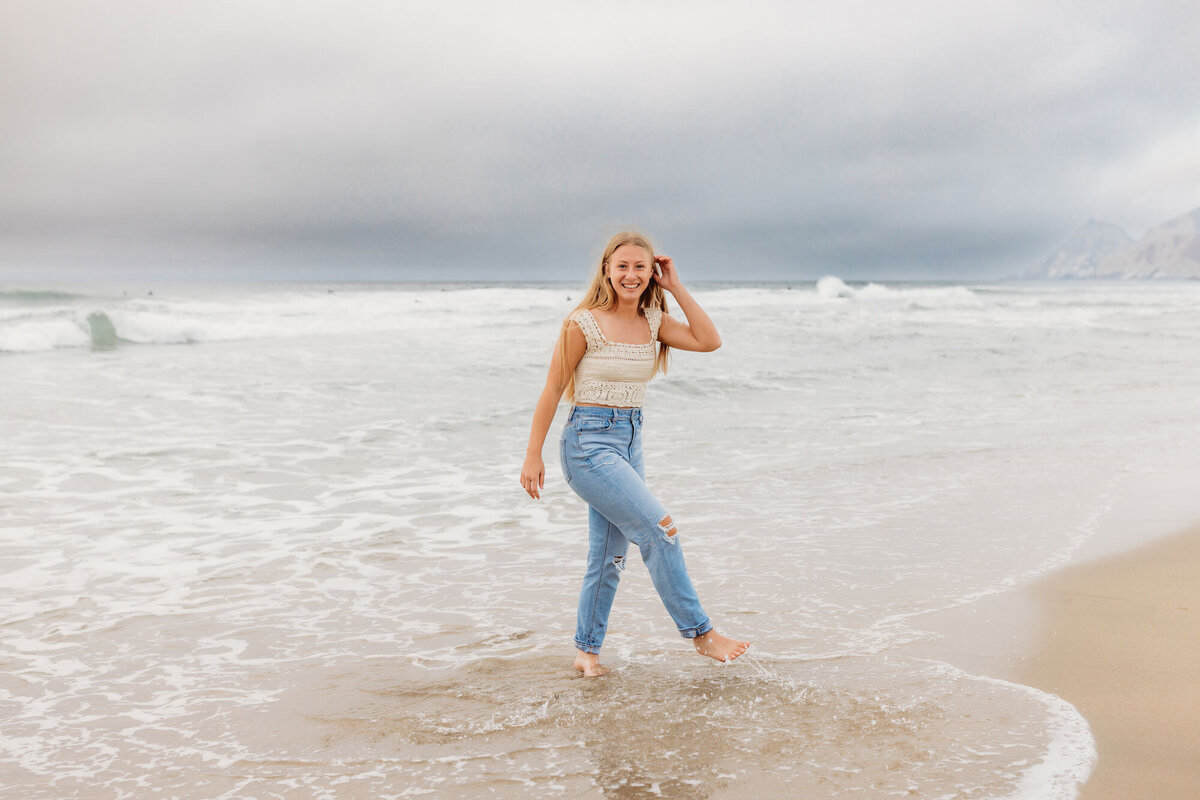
[450,140]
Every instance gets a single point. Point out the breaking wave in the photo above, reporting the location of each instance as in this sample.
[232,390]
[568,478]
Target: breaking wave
[934,297]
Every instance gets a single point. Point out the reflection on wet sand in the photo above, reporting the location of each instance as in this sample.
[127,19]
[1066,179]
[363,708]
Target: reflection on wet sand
[501,726]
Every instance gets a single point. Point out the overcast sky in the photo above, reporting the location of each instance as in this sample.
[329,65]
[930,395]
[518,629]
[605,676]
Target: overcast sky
[443,140]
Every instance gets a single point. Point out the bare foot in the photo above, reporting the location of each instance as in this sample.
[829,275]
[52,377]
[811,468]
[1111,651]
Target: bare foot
[589,664]
[722,648]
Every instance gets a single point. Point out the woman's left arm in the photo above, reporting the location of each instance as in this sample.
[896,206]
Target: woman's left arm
[698,333]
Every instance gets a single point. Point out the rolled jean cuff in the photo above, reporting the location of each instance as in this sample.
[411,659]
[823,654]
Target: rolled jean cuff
[698,630]
[588,648]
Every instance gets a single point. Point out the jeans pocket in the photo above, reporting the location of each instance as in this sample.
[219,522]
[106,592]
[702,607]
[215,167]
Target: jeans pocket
[562,459]
[586,426]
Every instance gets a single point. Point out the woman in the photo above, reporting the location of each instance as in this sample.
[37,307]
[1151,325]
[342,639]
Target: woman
[605,356]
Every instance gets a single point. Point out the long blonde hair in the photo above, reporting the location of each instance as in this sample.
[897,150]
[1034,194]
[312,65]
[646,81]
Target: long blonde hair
[599,294]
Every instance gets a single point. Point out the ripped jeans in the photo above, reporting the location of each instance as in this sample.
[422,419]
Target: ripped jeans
[601,452]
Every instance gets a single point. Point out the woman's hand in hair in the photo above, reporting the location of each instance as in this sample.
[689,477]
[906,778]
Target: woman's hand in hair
[667,277]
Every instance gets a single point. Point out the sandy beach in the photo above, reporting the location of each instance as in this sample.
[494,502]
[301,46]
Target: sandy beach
[1121,643]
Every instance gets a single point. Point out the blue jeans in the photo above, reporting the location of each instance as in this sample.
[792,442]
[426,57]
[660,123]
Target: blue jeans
[601,452]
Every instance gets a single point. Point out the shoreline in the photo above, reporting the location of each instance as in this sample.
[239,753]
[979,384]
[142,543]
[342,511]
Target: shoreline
[1115,634]
[1120,642]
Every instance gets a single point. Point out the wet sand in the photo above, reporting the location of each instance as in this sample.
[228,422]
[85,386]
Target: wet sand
[1121,643]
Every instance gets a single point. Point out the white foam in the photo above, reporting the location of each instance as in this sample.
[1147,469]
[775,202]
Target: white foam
[36,335]
[238,314]
[833,288]
[1070,757]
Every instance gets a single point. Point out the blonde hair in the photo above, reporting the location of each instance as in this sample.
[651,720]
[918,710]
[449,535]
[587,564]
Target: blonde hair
[599,294]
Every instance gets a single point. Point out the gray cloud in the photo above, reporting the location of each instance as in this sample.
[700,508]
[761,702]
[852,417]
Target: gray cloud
[474,139]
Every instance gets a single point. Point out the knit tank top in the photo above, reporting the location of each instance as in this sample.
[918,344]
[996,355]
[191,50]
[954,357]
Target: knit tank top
[614,373]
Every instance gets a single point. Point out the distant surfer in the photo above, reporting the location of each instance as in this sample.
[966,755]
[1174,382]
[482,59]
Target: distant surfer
[605,355]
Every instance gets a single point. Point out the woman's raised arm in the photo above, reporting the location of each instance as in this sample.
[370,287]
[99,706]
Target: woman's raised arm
[698,333]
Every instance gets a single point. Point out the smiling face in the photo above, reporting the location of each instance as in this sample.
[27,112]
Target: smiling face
[630,271]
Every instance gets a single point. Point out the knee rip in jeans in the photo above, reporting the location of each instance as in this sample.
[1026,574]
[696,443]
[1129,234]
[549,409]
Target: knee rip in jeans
[667,526]
[619,563]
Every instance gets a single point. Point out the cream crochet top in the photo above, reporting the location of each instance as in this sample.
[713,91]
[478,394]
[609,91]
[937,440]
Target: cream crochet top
[614,373]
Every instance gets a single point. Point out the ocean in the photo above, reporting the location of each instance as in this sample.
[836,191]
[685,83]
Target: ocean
[268,540]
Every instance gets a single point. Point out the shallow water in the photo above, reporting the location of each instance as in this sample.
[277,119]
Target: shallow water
[268,541]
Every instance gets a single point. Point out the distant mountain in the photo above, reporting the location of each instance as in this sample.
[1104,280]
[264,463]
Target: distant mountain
[1103,250]
[1082,252]
[1172,250]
